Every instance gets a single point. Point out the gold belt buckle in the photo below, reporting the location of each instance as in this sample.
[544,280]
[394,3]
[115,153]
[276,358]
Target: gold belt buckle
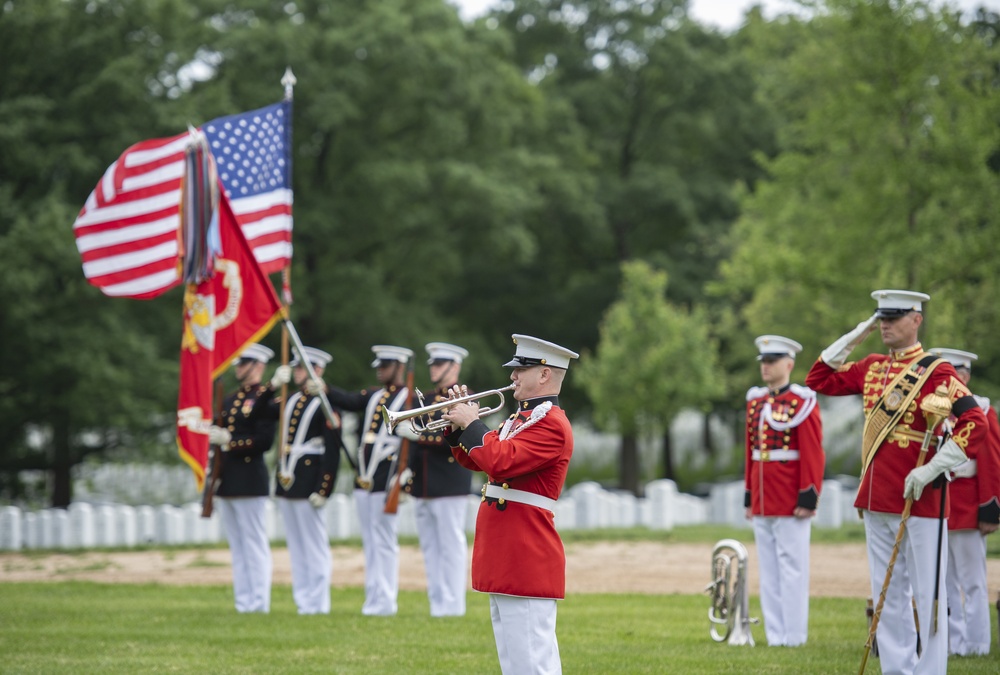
[765,455]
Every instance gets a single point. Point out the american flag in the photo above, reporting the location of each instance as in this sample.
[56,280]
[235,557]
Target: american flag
[128,231]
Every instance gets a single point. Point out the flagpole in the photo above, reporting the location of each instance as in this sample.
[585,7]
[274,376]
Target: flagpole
[288,81]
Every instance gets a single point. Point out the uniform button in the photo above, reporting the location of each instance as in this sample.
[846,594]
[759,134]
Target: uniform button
[246,460]
[309,462]
[505,486]
[451,460]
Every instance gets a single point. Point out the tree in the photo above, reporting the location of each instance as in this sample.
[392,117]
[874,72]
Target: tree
[884,176]
[653,360]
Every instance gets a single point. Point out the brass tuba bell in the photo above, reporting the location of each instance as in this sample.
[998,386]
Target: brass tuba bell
[730,609]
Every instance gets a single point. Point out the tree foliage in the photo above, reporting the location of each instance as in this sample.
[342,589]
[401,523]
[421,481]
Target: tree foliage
[884,177]
[653,360]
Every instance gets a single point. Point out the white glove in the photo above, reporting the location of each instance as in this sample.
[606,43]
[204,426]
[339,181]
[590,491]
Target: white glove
[282,375]
[405,430]
[219,436]
[405,477]
[836,354]
[312,388]
[317,500]
[947,457]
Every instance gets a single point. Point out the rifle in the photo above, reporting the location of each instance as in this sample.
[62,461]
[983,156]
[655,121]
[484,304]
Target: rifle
[392,498]
[214,458]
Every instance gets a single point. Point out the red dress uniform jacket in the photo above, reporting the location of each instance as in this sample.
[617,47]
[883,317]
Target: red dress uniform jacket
[881,487]
[517,550]
[976,498]
[783,421]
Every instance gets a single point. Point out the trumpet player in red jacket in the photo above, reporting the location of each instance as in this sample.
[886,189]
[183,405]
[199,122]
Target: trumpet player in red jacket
[517,555]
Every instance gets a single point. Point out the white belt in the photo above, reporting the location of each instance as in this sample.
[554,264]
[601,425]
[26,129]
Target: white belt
[966,469]
[521,496]
[774,455]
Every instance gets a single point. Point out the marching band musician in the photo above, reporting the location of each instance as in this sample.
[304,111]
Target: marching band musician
[441,488]
[243,490]
[784,477]
[378,452]
[517,555]
[306,476]
[893,387]
[975,512]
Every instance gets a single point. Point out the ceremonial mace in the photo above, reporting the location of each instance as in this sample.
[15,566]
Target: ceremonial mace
[936,408]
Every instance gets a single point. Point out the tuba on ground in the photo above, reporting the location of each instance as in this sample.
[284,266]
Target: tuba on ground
[729,613]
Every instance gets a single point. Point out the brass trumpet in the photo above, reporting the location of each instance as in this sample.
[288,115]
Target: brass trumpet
[393,418]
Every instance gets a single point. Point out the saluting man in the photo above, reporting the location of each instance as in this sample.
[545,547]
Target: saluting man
[378,452]
[974,495]
[784,478]
[892,387]
[441,487]
[517,555]
[306,476]
[243,490]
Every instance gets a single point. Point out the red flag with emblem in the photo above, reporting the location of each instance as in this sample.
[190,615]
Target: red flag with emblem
[222,315]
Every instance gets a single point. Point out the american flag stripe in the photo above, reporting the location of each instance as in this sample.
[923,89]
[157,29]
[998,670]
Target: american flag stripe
[128,232]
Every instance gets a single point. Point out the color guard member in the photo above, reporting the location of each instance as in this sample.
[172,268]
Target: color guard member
[892,388]
[784,478]
[517,556]
[243,490]
[306,476]
[378,452]
[974,496]
[441,487]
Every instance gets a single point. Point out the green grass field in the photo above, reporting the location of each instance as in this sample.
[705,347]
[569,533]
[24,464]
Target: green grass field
[81,627]
[78,627]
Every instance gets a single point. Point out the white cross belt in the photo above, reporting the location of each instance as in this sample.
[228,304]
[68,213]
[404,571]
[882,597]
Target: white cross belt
[520,496]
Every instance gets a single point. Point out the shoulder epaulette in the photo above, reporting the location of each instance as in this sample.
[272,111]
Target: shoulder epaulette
[802,391]
[756,392]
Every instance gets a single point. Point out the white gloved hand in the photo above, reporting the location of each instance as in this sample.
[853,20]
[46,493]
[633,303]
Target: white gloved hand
[405,477]
[317,500]
[836,354]
[312,388]
[947,457]
[219,436]
[405,430]
[282,375]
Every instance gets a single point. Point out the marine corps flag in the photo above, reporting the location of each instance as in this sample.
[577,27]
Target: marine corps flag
[222,314]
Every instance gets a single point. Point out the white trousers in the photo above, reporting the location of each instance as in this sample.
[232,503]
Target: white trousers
[912,579]
[968,596]
[243,521]
[525,633]
[783,557]
[441,527]
[309,553]
[381,547]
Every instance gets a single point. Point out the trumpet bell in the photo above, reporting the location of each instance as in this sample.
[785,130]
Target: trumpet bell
[414,415]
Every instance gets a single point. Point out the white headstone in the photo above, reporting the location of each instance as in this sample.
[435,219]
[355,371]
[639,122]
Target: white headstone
[169,524]
[105,525]
[10,528]
[662,495]
[145,524]
[126,523]
[81,523]
[46,536]
[338,517]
